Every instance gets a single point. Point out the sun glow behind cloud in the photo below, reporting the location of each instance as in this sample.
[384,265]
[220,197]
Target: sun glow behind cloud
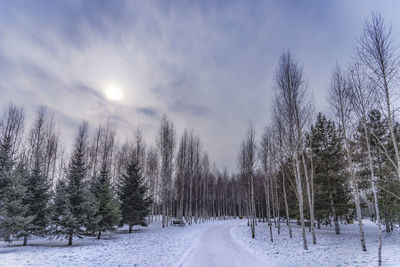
[113,93]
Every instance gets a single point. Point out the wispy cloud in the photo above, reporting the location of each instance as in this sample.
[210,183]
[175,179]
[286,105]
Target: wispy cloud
[207,64]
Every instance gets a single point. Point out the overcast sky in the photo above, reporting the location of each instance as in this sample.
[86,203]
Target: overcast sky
[207,64]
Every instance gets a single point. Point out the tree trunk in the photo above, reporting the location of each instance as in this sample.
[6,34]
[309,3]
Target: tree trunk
[268,210]
[130,228]
[253,230]
[375,193]
[301,201]
[390,120]
[25,240]
[310,202]
[277,207]
[163,213]
[70,240]
[354,185]
[334,214]
[99,235]
[286,204]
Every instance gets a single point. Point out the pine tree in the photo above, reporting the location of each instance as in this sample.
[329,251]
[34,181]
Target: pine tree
[387,183]
[135,205]
[37,199]
[108,213]
[6,164]
[331,193]
[14,218]
[73,202]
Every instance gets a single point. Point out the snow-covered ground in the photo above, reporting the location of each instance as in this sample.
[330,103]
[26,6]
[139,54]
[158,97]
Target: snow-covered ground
[219,243]
[148,246]
[217,247]
[331,250]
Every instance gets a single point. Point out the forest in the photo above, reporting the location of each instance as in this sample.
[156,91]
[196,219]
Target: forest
[307,168]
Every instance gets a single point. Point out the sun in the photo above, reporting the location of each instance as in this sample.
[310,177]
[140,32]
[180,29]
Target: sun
[114,93]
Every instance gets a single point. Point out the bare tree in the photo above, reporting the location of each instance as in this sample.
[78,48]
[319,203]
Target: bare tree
[140,148]
[166,145]
[362,95]
[293,105]
[247,164]
[340,103]
[152,174]
[280,129]
[378,53]
[265,157]
[11,130]
[43,142]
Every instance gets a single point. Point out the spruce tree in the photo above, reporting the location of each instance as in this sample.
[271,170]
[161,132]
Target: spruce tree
[72,201]
[14,218]
[37,199]
[108,213]
[331,193]
[387,183]
[135,205]
[6,164]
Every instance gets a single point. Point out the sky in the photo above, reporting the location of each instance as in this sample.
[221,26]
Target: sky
[208,65]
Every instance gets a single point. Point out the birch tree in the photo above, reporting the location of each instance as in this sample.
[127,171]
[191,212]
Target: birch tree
[292,104]
[377,51]
[362,95]
[340,103]
[166,145]
[247,162]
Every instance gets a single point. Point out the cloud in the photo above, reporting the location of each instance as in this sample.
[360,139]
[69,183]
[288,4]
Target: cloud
[207,64]
[149,111]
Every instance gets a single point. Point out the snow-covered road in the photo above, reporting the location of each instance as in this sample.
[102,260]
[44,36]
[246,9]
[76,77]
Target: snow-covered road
[217,247]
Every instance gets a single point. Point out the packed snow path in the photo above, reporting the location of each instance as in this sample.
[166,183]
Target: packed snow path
[217,247]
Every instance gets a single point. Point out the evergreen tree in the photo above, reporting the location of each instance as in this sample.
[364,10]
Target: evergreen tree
[108,214]
[37,199]
[331,193]
[6,164]
[62,217]
[135,205]
[73,202]
[388,186]
[14,218]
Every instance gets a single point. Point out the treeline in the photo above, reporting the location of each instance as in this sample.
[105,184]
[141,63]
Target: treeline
[336,168]
[103,184]
[42,194]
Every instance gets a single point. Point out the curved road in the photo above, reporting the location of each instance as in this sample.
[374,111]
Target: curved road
[217,247]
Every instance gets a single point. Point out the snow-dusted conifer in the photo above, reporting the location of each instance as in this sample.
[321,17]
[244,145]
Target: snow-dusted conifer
[14,218]
[108,213]
[135,206]
[37,199]
[72,201]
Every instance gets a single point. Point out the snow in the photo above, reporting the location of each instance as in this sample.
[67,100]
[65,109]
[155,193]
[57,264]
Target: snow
[217,247]
[218,243]
[331,249]
[147,246]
